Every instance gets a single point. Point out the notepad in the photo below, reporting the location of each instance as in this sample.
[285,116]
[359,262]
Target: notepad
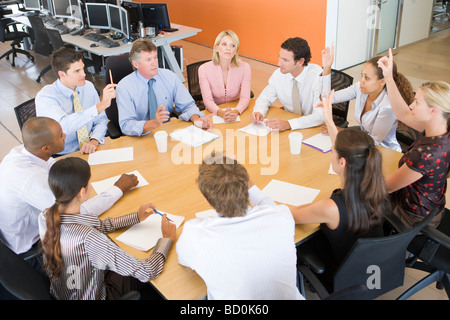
[289,193]
[111,156]
[320,141]
[103,185]
[258,129]
[144,235]
[219,120]
[193,136]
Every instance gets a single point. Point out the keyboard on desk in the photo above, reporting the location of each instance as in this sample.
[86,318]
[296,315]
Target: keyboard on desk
[52,22]
[93,37]
[109,43]
[62,29]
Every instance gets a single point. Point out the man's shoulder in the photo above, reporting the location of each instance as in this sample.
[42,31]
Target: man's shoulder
[314,69]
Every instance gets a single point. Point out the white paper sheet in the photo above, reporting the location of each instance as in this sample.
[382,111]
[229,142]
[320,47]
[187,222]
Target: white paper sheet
[219,120]
[331,171]
[193,136]
[320,141]
[258,129]
[289,193]
[111,156]
[144,235]
[103,185]
[206,214]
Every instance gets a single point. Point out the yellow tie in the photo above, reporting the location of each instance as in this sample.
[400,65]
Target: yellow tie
[296,104]
[83,135]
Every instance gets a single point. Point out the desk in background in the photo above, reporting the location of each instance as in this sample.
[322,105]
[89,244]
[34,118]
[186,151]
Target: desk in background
[173,189]
[162,41]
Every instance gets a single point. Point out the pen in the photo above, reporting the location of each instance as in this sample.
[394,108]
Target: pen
[110,76]
[162,215]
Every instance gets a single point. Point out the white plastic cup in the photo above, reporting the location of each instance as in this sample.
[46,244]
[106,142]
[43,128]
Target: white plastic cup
[161,141]
[295,142]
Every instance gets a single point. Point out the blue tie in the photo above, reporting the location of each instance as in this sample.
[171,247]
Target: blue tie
[152,105]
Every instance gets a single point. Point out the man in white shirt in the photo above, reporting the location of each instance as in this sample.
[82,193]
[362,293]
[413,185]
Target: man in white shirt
[296,83]
[74,103]
[24,190]
[243,252]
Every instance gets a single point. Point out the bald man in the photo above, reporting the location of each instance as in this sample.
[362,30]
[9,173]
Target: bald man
[24,190]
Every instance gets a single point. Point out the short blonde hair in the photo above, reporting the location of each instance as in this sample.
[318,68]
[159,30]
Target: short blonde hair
[215,57]
[224,184]
[437,93]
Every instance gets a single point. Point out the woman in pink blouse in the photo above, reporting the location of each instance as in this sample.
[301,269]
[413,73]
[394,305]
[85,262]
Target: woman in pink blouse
[225,78]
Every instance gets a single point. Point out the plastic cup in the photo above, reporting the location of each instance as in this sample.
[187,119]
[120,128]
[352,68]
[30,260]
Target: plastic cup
[161,141]
[295,142]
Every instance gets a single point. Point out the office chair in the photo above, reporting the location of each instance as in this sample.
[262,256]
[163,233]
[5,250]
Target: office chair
[340,80]
[16,37]
[120,67]
[430,252]
[41,41]
[25,111]
[193,83]
[377,263]
[405,136]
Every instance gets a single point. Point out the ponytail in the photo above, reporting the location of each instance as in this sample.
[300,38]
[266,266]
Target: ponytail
[51,242]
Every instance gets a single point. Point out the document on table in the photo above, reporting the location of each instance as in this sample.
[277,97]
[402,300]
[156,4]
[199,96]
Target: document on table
[193,136]
[111,156]
[320,141]
[103,185]
[219,120]
[259,129]
[289,193]
[144,235]
[206,214]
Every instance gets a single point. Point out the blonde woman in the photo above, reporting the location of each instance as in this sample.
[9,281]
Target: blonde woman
[225,78]
[419,185]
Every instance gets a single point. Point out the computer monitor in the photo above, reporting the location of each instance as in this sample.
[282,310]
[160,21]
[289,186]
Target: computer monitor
[32,4]
[76,10]
[61,8]
[114,18]
[134,13]
[97,15]
[155,14]
[125,24]
[47,6]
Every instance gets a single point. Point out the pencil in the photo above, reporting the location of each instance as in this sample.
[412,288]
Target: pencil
[110,76]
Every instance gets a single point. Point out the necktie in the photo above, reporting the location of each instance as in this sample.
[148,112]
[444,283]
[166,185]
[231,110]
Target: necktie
[296,104]
[82,133]
[151,99]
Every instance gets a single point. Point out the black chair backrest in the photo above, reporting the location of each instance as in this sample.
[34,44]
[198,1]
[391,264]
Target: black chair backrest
[25,111]
[193,83]
[41,41]
[383,258]
[55,38]
[340,80]
[20,279]
[120,67]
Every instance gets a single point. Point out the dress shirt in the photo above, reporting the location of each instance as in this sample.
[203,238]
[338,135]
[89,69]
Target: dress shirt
[380,122]
[132,100]
[214,91]
[280,87]
[24,193]
[87,251]
[55,101]
[249,257]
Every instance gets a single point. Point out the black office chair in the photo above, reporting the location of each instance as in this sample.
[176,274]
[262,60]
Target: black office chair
[41,41]
[340,80]
[405,136]
[386,255]
[25,111]
[430,252]
[120,67]
[193,83]
[9,32]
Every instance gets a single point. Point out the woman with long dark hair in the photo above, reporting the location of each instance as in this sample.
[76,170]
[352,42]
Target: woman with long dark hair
[81,261]
[357,208]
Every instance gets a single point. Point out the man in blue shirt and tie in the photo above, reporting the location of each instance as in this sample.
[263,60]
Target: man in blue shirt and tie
[74,103]
[146,97]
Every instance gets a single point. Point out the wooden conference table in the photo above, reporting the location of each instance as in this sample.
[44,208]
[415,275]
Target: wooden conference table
[172,187]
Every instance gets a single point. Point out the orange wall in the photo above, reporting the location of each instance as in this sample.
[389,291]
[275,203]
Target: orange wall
[262,25]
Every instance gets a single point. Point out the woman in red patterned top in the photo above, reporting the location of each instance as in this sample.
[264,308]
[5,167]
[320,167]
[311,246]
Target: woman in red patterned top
[419,185]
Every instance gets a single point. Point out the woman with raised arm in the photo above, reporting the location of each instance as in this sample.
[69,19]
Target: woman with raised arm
[81,261]
[225,78]
[418,186]
[357,208]
[373,110]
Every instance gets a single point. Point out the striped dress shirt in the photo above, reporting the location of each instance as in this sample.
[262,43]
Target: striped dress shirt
[87,252]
